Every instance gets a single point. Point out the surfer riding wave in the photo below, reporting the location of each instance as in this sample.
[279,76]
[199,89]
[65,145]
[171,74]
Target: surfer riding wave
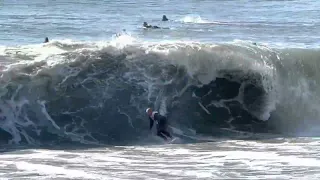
[161,122]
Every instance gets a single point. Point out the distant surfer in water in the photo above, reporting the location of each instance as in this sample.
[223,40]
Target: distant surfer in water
[161,122]
[164,18]
[46,40]
[146,25]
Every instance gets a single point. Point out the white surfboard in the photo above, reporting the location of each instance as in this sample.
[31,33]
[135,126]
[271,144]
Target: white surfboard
[172,140]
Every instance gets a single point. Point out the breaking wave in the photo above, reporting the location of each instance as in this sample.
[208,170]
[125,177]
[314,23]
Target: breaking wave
[97,92]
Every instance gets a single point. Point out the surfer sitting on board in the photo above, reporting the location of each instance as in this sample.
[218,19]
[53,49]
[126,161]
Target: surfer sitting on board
[46,40]
[164,18]
[161,122]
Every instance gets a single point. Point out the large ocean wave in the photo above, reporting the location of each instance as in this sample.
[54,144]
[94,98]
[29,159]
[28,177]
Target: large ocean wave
[97,92]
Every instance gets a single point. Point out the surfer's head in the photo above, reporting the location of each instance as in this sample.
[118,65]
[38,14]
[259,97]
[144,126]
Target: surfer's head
[149,111]
[145,24]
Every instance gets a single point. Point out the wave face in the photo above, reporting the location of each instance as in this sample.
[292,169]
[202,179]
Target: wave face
[61,92]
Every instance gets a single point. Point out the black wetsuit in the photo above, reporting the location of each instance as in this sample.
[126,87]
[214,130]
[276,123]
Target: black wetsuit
[152,27]
[161,125]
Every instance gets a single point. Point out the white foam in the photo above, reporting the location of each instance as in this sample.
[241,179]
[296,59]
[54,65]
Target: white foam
[194,19]
[123,40]
[44,111]
[53,171]
[222,159]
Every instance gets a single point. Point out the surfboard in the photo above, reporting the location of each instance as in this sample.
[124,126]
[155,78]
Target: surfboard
[172,140]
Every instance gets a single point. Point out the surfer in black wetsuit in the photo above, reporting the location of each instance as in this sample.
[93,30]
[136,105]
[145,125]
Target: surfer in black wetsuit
[164,18]
[46,40]
[161,122]
[146,25]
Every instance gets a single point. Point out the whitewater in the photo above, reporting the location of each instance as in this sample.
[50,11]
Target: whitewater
[238,82]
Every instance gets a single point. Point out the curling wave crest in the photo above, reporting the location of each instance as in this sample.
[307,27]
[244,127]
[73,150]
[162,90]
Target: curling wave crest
[97,92]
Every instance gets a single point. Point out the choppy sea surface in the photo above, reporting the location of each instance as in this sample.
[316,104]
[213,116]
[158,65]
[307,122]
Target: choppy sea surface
[238,81]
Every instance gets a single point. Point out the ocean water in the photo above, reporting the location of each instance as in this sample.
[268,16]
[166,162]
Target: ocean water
[238,81]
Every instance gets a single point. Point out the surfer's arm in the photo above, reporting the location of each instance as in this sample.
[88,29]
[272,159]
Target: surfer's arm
[151,123]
